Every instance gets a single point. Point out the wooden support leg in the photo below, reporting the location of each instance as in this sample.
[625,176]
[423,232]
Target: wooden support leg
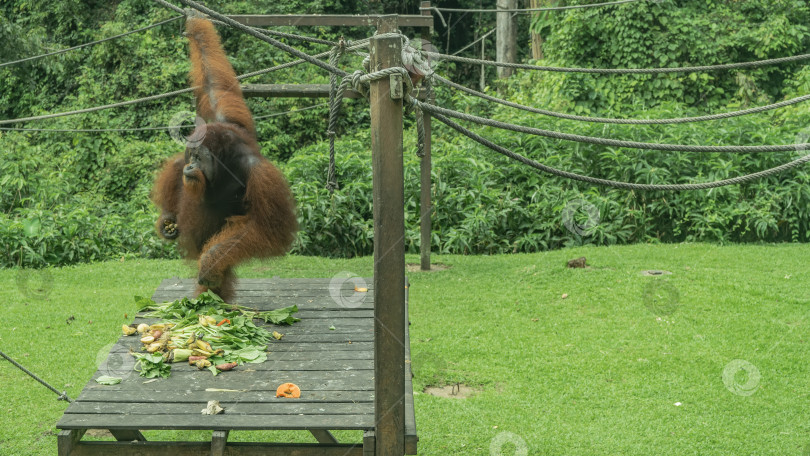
[218,441]
[67,440]
[369,443]
[127,435]
[323,436]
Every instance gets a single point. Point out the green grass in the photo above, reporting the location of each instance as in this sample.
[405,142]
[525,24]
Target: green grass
[597,373]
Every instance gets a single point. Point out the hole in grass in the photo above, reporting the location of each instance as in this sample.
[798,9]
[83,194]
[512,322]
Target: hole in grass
[416,267]
[454,391]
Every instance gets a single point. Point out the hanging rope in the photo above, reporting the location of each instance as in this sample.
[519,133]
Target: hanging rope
[335,100]
[62,51]
[617,184]
[269,32]
[524,66]
[62,396]
[526,10]
[606,141]
[677,120]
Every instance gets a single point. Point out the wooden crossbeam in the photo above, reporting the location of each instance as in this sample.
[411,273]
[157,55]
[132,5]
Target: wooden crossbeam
[340,20]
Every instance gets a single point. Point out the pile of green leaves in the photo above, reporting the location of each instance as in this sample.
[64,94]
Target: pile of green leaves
[236,335]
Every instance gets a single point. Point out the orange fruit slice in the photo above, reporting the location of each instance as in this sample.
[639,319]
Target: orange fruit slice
[288,390]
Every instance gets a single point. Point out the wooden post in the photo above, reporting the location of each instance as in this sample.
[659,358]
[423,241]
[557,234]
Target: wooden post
[537,39]
[388,191]
[506,37]
[425,184]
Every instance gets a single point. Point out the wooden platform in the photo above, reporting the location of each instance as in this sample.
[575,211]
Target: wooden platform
[333,367]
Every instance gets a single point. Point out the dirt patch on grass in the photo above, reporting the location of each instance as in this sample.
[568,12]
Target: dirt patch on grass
[455,391]
[99,433]
[416,267]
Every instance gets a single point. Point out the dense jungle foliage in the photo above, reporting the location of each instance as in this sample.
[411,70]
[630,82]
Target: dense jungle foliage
[69,196]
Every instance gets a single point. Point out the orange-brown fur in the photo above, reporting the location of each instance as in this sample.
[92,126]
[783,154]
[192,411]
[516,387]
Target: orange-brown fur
[245,212]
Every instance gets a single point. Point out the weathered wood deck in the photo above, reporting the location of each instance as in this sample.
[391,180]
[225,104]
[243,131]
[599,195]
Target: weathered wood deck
[333,367]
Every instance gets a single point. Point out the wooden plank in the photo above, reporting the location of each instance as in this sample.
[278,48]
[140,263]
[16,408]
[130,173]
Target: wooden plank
[66,441]
[302,91]
[218,441]
[174,396]
[223,421]
[425,185]
[293,91]
[323,20]
[323,436]
[245,379]
[128,435]
[267,301]
[389,248]
[369,441]
[204,448]
[231,408]
[411,437]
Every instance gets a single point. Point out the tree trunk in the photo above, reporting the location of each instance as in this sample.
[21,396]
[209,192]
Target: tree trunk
[506,37]
[537,40]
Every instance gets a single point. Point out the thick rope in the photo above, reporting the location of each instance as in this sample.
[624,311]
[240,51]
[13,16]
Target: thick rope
[617,184]
[606,141]
[91,43]
[358,45]
[262,36]
[335,100]
[524,66]
[62,396]
[269,32]
[677,120]
[527,10]
[107,130]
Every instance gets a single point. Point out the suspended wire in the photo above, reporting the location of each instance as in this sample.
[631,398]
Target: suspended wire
[605,141]
[525,66]
[526,10]
[618,184]
[62,51]
[269,32]
[102,130]
[356,45]
[609,120]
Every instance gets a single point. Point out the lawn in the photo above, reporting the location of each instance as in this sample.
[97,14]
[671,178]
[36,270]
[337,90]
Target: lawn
[710,359]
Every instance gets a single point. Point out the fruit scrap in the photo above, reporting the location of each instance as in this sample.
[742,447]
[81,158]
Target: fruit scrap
[202,364]
[143,328]
[178,355]
[361,289]
[224,320]
[147,339]
[194,358]
[277,335]
[203,345]
[128,330]
[288,390]
[226,366]
[213,408]
[156,333]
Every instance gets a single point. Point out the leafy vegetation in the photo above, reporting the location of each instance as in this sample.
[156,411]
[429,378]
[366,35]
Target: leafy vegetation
[68,197]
